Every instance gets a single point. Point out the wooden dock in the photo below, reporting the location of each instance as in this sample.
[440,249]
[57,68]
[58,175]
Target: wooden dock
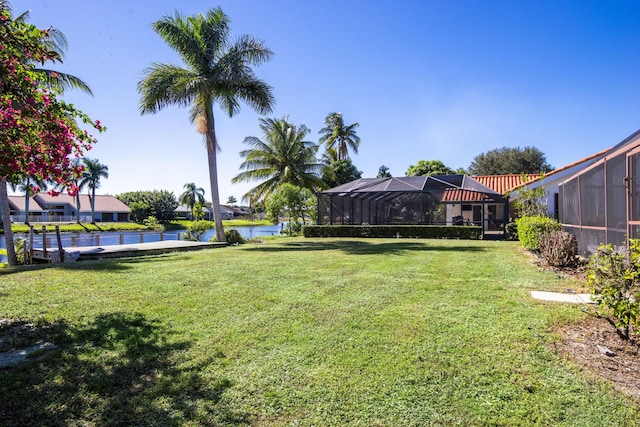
[76,253]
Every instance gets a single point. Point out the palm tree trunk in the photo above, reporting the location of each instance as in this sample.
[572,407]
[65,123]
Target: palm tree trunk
[78,205]
[6,223]
[93,205]
[27,194]
[212,151]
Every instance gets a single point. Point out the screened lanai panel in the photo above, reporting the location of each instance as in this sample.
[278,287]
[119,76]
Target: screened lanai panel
[570,206]
[616,237]
[452,181]
[592,201]
[409,208]
[634,183]
[324,209]
[339,209]
[407,183]
[616,170]
[590,240]
[356,209]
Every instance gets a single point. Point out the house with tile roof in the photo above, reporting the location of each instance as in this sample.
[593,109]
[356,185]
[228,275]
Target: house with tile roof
[550,181]
[423,200]
[44,207]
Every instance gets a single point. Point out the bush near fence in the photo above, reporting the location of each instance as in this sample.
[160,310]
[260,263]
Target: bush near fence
[417,231]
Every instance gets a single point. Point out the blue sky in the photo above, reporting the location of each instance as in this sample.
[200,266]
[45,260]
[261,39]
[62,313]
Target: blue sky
[443,80]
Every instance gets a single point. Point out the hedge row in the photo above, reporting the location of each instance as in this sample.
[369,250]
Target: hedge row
[420,231]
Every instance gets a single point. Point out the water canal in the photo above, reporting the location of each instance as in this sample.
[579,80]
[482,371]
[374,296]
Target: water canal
[128,237]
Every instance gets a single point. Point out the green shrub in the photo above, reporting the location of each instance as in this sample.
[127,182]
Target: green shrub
[420,231]
[195,230]
[233,237]
[530,228]
[152,223]
[613,273]
[559,248]
[511,231]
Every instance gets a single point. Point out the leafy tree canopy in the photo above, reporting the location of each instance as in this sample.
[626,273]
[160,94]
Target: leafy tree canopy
[39,134]
[508,160]
[340,172]
[296,203]
[158,203]
[383,172]
[429,167]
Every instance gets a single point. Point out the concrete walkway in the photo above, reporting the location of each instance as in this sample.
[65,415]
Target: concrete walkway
[563,297]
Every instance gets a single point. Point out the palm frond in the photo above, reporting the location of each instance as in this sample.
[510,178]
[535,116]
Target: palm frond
[181,34]
[164,85]
[250,50]
[61,81]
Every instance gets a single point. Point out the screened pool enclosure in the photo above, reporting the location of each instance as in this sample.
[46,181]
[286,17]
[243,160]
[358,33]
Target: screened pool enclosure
[426,200]
[601,204]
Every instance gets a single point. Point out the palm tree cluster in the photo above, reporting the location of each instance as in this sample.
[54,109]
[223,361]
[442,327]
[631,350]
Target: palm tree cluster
[284,156]
[218,70]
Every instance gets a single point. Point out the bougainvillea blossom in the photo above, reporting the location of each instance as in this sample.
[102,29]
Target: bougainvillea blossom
[39,133]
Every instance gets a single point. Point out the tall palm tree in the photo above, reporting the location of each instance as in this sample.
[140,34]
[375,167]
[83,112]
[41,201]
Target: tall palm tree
[217,70]
[93,172]
[192,195]
[338,136]
[283,157]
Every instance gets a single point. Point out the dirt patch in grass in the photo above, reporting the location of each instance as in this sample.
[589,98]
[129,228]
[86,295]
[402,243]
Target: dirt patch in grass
[21,341]
[595,345]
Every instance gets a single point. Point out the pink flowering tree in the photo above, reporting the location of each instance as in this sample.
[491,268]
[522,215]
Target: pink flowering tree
[39,133]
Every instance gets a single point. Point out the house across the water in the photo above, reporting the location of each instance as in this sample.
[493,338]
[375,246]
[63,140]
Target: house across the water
[227,212]
[43,207]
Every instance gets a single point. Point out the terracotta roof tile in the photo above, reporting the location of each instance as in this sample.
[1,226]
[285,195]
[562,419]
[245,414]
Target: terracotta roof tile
[458,195]
[505,183]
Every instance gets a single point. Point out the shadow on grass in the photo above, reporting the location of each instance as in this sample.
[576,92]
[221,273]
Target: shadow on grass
[117,264]
[107,264]
[121,369]
[361,247]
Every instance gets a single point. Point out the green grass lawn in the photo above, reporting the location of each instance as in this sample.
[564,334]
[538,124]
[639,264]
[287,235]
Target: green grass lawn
[391,332]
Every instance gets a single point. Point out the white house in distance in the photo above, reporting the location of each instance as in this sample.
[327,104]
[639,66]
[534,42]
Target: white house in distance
[62,208]
[227,212]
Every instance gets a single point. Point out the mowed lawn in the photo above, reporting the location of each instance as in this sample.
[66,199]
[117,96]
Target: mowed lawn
[390,332]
